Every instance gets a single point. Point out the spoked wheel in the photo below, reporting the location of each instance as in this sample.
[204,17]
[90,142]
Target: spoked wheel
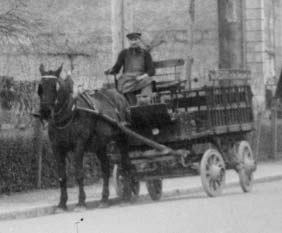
[121,186]
[212,171]
[247,166]
[155,188]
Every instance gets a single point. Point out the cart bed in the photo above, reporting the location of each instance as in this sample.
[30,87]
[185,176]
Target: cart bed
[188,115]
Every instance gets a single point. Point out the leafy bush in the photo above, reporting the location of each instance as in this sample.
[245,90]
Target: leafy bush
[19,164]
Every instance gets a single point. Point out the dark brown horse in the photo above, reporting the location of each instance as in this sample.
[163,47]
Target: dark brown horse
[72,130]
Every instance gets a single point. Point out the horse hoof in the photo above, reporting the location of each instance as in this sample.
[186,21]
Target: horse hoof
[60,210]
[123,203]
[103,204]
[127,198]
[80,208]
[134,199]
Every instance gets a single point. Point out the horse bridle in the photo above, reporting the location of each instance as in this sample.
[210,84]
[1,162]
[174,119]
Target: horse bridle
[53,113]
[50,77]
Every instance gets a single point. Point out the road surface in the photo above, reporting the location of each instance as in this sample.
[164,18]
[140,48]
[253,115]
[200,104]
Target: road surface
[259,212]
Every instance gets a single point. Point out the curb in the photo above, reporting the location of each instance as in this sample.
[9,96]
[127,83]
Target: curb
[94,203]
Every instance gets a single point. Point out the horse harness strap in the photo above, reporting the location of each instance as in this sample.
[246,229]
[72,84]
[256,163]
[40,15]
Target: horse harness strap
[49,77]
[88,101]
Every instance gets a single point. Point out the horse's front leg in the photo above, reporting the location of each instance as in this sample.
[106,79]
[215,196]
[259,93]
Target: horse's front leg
[126,167]
[79,174]
[60,155]
[105,165]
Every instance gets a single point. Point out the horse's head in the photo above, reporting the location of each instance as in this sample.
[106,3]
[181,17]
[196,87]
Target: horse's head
[52,90]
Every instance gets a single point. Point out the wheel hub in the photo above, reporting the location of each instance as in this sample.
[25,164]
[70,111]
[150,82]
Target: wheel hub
[215,171]
[249,165]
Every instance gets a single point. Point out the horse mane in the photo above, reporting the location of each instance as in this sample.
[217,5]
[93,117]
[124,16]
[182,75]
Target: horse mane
[68,83]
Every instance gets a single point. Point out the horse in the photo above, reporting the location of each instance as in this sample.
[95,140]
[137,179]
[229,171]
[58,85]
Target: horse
[77,131]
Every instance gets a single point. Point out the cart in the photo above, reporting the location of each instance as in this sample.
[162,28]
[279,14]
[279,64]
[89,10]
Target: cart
[186,132]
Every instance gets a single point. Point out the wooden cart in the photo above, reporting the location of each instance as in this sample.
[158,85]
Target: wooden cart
[183,133]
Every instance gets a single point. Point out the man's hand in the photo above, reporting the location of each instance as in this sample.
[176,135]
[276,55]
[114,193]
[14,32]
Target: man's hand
[142,77]
[107,72]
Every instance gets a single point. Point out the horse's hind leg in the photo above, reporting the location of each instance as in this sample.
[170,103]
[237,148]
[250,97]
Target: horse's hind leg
[105,165]
[79,174]
[125,167]
[61,163]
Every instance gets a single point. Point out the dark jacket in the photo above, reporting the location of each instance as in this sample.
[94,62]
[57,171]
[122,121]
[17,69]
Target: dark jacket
[139,57]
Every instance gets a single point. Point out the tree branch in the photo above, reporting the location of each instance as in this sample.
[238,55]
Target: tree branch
[18,25]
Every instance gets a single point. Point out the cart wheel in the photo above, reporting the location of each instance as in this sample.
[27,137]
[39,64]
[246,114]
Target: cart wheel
[247,166]
[154,188]
[119,183]
[212,171]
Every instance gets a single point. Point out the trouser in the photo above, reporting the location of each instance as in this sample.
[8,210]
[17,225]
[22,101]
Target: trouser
[132,96]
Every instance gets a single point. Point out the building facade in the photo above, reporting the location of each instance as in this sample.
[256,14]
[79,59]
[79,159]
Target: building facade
[226,34]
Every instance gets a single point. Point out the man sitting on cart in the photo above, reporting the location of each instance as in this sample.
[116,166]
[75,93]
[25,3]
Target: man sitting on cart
[137,70]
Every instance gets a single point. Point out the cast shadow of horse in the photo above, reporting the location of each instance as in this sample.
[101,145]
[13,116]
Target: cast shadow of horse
[70,129]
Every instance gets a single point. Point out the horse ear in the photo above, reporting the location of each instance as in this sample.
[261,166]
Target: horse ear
[41,69]
[59,70]
[69,83]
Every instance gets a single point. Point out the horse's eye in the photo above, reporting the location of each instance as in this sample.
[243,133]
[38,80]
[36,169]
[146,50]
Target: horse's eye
[40,90]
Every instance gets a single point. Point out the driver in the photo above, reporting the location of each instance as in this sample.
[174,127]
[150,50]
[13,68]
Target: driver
[137,68]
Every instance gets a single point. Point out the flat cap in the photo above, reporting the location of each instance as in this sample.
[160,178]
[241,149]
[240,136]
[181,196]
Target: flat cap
[133,35]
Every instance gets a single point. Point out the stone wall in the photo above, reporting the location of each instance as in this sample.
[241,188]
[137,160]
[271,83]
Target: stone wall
[169,20]
[263,43]
[74,27]
[83,27]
